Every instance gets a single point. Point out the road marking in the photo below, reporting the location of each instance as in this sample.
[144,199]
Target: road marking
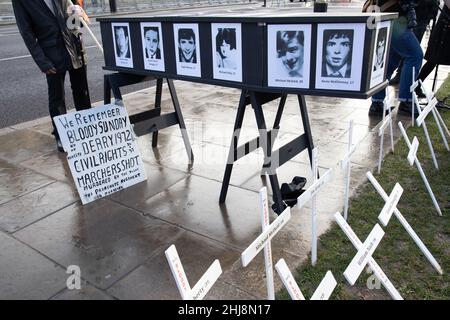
[28,56]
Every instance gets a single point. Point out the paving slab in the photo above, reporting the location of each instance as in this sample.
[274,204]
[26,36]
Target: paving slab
[26,274]
[105,239]
[17,181]
[33,206]
[21,145]
[154,280]
[193,204]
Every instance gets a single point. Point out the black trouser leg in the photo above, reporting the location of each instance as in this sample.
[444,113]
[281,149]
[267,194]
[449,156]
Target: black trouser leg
[80,89]
[56,99]
[426,70]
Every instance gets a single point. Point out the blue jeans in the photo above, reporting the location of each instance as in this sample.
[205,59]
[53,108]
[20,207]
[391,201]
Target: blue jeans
[404,45]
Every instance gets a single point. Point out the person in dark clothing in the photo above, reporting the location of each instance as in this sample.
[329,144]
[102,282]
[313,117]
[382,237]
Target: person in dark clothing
[426,10]
[56,50]
[438,51]
[404,45]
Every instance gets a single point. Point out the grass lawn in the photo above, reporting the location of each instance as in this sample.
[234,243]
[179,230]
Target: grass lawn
[397,254]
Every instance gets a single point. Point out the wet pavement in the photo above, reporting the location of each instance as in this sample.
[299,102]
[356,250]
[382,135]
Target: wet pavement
[119,241]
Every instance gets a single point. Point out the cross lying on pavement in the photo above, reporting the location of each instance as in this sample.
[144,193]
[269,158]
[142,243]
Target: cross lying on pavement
[385,220]
[199,291]
[311,194]
[323,291]
[369,260]
[419,167]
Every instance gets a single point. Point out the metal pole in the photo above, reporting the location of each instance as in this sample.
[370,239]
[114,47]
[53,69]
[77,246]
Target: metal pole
[113,6]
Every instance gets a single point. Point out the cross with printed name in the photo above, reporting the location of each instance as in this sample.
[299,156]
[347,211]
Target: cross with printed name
[323,291]
[385,215]
[419,167]
[437,117]
[311,194]
[346,165]
[421,123]
[364,256]
[263,240]
[201,288]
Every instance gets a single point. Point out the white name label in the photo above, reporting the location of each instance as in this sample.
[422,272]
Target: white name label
[206,282]
[387,120]
[288,280]
[178,272]
[325,288]
[413,151]
[358,263]
[313,189]
[426,111]
[265,236]
[390,205]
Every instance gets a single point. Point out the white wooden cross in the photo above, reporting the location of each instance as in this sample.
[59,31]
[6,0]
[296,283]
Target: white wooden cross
[263,240]
[387,121]
[419,167]
[421,122]
[437,117]
[362,249]
[311,194]
[199,291]
[323,291]
[385,217]
[346,165]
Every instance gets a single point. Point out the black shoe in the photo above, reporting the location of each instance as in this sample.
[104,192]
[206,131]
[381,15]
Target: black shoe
[406,108]
[420,94]
[376,109]
[293,190]
[59,145]
[283,205]
[395,80]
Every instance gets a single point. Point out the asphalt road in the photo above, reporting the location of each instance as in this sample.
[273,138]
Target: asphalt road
[23,87]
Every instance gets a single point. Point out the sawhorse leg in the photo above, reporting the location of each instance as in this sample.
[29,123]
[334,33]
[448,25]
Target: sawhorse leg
[232,154]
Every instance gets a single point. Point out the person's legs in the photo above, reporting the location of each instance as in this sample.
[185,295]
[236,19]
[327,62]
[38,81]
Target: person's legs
[80,89]
[56,97]
[408,47]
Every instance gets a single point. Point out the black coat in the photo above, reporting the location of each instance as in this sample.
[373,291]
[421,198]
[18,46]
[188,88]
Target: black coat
[438,50]
[48,40]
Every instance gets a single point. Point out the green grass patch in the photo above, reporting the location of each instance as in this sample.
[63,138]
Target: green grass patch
[443,94]
[398,256]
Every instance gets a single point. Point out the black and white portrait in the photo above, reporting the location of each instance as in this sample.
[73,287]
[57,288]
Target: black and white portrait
[289,51]
[122,45]
[339,60]
[152,44]
[380,48]
[337,53]
[227,52]
[188,49]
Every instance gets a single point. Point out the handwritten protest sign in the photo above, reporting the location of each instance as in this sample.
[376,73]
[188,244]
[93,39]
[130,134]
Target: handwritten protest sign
[101,150]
